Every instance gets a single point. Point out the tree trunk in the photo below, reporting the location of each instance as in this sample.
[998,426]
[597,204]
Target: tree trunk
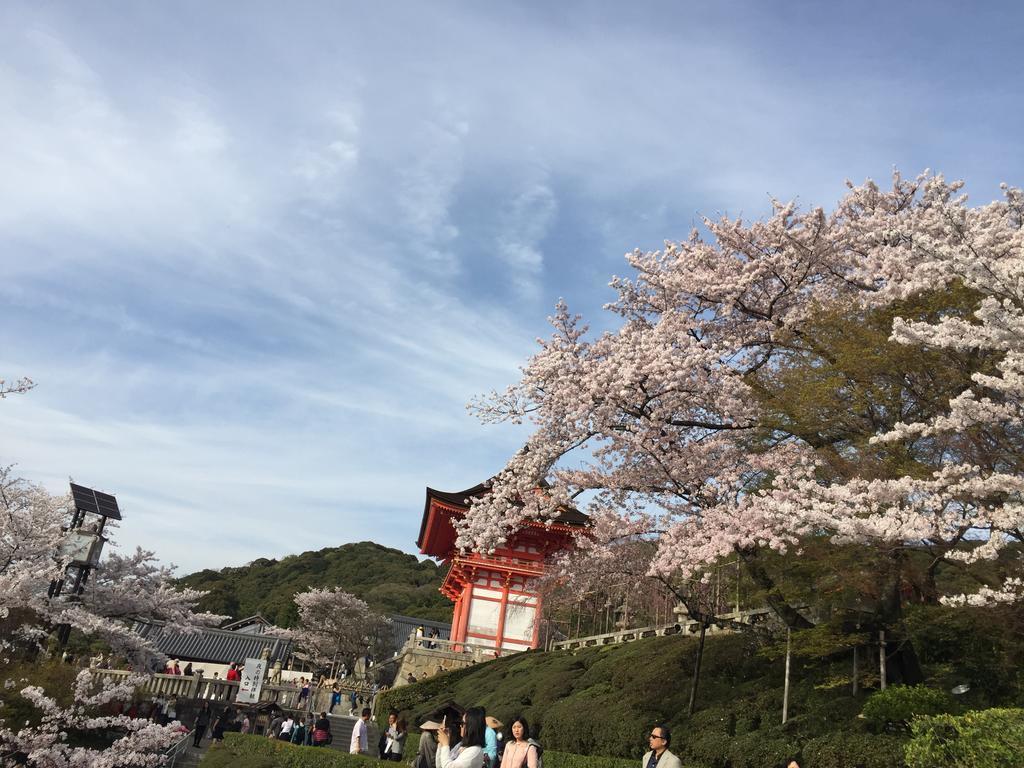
[930,590]
[903,662]
[790,616]
[785,689]
[855,687]
[696,669]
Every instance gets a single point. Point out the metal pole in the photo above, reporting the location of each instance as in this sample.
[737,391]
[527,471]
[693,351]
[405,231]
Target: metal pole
[881,658]
[856,682]
[739,574]
[785,690]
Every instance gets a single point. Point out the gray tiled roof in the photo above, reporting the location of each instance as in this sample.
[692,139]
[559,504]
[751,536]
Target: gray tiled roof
[219,646]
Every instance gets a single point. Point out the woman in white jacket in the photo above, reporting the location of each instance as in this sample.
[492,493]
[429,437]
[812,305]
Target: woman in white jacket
[469,749]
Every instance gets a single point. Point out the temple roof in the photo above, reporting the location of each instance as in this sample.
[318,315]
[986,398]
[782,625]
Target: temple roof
[437,536]
[221,646]
[254,624]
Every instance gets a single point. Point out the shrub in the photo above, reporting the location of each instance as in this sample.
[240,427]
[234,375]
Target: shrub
[854,750]
[990,738]
[248,751]
[896,706]
[703,748]
[753,750]
[554,759]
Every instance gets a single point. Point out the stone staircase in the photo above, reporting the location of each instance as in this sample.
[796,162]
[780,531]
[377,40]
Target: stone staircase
[189,757]
[341,731]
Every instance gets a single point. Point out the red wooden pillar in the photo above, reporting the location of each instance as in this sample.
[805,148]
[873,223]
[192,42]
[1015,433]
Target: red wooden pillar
[536,623]
[501,618]
[467,597]
[456,618]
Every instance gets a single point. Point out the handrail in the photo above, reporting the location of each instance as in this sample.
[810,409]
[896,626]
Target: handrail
[174,751]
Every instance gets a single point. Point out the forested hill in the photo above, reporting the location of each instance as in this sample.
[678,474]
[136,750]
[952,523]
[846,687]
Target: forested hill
[389,580]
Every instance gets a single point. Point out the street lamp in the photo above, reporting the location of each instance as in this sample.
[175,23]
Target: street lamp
[83,543]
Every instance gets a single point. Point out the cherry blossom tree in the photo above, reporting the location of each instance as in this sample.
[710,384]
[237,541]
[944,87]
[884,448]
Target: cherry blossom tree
[683,438]
[334,626]
[123,587]
[17,387]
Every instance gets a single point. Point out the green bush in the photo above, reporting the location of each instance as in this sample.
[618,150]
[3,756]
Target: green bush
[248,751]
[854,750]
[53,677]
[553,759]
[896,706]
[990,738]
[702,748]
[238,751]
[753,750]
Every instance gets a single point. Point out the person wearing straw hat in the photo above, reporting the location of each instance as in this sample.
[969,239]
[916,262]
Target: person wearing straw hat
[427,754]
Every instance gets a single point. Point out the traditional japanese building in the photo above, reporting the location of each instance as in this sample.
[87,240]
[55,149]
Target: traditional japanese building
[497,603]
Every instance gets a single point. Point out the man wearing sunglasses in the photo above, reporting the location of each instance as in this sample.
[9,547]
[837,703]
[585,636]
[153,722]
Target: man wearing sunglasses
[659,756]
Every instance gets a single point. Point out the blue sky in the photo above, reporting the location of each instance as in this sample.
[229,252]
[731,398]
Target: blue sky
[258,256]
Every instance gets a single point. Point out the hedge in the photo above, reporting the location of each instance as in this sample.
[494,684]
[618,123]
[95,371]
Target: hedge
[990,738]
[248,751]
[854,750]
[899,704]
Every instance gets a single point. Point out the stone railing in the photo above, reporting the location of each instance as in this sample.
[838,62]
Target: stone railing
[473,651]
[684,627]
[201,688]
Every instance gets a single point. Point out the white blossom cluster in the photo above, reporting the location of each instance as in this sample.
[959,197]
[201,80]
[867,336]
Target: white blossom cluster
[663,411]
[333,625]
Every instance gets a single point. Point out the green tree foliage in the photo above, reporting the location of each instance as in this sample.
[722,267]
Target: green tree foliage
[388,580]
[992,738]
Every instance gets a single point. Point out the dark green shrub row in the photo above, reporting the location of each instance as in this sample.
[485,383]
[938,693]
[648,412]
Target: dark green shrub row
[991,738]
[899,704]
[238,751]
[553,759]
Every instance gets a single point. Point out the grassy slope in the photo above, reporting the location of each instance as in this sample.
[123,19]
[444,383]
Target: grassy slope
[601,701]
[389,580]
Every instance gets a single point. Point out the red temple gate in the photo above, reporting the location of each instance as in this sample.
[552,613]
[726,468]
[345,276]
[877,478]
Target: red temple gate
[497,603]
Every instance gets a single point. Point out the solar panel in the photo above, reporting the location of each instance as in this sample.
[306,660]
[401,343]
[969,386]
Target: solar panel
[95,502]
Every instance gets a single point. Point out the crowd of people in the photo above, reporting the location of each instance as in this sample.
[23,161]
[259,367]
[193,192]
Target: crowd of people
[456,738]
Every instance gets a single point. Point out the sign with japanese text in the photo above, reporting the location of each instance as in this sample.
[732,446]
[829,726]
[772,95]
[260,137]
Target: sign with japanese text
[252,681]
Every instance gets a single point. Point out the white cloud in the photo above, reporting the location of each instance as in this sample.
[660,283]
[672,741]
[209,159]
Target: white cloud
[525,223]
[260,277]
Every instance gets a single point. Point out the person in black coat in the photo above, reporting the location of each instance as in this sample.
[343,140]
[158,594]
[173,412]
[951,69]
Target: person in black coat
[202,721]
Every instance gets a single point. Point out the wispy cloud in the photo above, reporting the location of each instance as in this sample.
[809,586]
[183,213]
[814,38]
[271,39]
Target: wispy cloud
[259,261]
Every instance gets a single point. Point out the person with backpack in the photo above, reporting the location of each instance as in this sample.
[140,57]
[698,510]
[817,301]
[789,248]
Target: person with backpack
[521,751]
